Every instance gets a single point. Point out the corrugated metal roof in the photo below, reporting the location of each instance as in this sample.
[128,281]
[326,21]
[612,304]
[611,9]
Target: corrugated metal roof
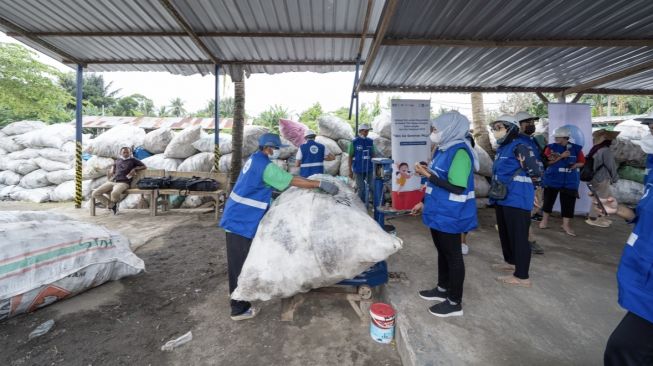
[295,17]
[436,66]
[150,123]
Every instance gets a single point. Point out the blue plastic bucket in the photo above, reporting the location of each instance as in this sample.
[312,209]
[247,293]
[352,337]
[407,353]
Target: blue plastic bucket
[382,324]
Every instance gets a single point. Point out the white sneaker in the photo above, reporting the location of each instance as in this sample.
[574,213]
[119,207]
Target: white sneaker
[465,248]
[249,314]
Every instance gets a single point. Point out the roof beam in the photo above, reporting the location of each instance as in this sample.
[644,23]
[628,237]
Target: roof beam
[223,62]
[366,24]
[182,23]
[611,77]
[542,97]
[199,34]
[541,43]
[498,89]
[24,33]
[389,9]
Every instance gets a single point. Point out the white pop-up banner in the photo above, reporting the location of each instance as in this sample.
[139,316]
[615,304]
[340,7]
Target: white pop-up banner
[411,144]
[578,117]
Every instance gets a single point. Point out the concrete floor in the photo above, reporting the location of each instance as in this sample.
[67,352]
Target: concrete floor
[564,319]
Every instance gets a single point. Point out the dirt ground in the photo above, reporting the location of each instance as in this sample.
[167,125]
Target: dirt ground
[184,289]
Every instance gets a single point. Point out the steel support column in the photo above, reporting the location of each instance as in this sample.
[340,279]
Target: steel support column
[354,93]
[78,137]
[216,116]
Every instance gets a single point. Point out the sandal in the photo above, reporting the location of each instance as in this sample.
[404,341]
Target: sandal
[503,267]
[514,281]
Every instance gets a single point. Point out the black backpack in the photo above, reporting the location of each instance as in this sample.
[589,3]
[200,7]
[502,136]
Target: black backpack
[153,183]
[194,184]
[587,171]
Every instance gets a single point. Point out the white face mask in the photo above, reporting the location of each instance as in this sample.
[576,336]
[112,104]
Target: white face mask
[275,154]
[436,137]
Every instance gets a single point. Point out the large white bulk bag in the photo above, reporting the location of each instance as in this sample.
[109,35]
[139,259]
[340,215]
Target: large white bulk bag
[181,146]
[9,178]
[66,191]
[109,143]
[627,191]
[35,179]
[51,165]
[50,136]
[485,161]
[159,161]
[21,127]
[330,144]
[156,141]
[334,128]
[202,162]
[332,167]
[36,195]
[309,239]
[60,176]
[207,144]
[9,144]
[382,124]
[251,135]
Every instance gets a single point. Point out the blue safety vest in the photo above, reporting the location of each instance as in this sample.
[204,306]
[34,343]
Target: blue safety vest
[312,159]
[648,178]
[530,142]
[520,186]
[249,200]
[362,159]
[559,175]
[445,211]
[635,273]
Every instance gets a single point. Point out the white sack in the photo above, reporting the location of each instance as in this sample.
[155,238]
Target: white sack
[485,161]
[3,152]
[70,149]
[206,144]
[382,124]
[60,176]
[35,179]
[57,155]
[24,154]
[373,135]
[627,191]
[20,127]
[192,202]
[181,145]
[343,144]
[109,143]
[330,144]
[481,186]
[131,201]
[383,147]
[159,161]
[100,255]
[51,165]
[332,167]
[9,178]
[334,128]
[66,191]
[9,144]
[289,151]
[627,152]
[250,138]
[202,162]
[632,130]
[96,167]
[224,165]
[344,165]
[22,167]
[50,136]
[156,141]
[5,192]
[298,247]
[36,195]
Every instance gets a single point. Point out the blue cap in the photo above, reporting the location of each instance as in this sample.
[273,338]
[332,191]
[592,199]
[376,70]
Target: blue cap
[270,140]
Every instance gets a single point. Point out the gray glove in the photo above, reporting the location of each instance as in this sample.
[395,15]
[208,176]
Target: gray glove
[329,187]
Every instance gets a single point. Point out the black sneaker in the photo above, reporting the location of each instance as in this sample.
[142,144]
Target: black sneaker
[536,248]
[536,217]
[433,295]
[446,309]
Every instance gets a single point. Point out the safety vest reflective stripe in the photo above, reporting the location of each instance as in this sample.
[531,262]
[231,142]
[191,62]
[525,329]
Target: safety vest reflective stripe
[522,178]
[647,171]
[632,239]
[462,197]
[565,170]
[308,165]
[248,201]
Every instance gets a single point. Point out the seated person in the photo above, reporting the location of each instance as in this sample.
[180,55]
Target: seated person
[120,177]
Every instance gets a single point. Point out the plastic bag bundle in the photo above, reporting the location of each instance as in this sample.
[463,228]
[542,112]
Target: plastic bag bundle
[207,143]
[159,161]
[292,131]
[331,145]
[109,143]
[627,152]
[334,128]
[156,141]
[181,145]
[382,124]
[627,191]
[202,162]
[297,247]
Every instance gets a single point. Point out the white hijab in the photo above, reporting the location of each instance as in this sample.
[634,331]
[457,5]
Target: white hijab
[454,127]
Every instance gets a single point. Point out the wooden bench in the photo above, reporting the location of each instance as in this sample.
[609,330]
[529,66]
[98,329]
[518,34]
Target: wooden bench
[218,196]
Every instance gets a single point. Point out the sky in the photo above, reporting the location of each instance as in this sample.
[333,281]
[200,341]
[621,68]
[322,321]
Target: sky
[295,91]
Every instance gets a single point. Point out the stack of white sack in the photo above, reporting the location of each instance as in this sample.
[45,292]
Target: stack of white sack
[297,247]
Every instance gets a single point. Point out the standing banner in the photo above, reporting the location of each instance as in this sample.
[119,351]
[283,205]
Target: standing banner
[578,117]
[411,144]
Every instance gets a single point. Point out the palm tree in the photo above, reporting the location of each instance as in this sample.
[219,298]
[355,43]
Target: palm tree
[238,129]
[478,124]
[163,112]
[177,107]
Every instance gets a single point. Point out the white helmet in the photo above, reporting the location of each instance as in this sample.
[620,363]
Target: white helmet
[525,116]
[562,132]
[310,133]
[507,119]
[364,126]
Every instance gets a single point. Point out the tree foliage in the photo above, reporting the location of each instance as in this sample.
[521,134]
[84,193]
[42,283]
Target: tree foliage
[226,108]
[309,117]
[270,117]
[95,92]
[28,88]
[177,107]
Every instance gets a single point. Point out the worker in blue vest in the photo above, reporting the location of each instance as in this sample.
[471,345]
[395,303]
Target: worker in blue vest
[526,131]
[562,175]
[248,202]
[311,156]
[512,194]
[647,145]
[449,209]
[361,151]
[631,343]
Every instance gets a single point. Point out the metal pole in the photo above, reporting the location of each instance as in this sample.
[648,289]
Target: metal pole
[353,91]
[216,118]
[78,137]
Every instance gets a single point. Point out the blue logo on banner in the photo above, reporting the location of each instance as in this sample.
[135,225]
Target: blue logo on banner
[412,143]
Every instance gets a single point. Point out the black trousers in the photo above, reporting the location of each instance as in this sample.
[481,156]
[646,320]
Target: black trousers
[451,268]
[513,226]
[567,201]
[237,250]
[631,343]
